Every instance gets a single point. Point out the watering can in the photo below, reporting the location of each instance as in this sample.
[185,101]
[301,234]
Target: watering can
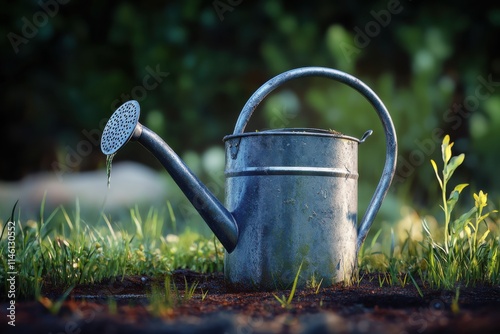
[291,194]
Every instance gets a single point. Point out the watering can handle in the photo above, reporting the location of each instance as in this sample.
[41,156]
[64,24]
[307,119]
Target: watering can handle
[385,118]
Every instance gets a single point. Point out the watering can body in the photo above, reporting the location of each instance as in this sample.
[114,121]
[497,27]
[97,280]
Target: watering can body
[291,194]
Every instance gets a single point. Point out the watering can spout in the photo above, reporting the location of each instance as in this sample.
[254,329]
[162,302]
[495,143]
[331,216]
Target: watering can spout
[217,217]
[124,126]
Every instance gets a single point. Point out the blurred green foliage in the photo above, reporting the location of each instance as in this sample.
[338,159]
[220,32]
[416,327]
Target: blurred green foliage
[421,59]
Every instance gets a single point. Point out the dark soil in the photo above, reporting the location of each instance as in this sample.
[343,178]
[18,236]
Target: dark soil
[124,306]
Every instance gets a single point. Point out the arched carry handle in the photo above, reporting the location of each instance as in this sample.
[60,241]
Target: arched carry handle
[385,118]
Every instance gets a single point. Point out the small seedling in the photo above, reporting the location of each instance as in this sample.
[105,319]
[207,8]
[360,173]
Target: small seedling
[188,290]
[382,278]
[314,284]
[287,302]
[203,295]
[162,302]
[318,287]
[357,278]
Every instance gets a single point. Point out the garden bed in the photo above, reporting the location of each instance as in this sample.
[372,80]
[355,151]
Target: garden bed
[128,306]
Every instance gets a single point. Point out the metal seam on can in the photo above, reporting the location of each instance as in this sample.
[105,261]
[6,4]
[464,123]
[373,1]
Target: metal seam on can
[285,170]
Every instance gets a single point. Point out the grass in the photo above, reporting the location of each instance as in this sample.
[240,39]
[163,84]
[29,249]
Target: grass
[164,299]
[61,249]
[314,284]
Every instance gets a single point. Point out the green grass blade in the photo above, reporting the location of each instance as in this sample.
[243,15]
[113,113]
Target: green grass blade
[416,285]
[110,228]
[172,217]
[294,286]
[67,218]
[137,221]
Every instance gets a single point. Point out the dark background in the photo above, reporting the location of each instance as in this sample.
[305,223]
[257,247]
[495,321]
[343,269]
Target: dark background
[62,79]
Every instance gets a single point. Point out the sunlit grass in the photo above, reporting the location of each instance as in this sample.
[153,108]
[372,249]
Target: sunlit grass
[62,250]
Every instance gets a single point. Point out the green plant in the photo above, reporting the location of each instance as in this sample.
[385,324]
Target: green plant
[467,252]
[450,165]
[367,258]
[314,284]
[389,265]
[162,301]
[382,278]
[287,302]
[416,285]
[358,278]
[203,294]
[395,264]
[188,290]
[316,291]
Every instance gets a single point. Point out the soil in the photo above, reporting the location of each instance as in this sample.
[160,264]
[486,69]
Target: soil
[125,306]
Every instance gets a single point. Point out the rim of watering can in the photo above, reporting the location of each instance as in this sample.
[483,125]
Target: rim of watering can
[300,131]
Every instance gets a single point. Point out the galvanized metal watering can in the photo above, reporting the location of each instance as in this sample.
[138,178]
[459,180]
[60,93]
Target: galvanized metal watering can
[291,194]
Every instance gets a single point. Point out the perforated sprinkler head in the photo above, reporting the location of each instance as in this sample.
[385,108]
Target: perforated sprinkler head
[120,127]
